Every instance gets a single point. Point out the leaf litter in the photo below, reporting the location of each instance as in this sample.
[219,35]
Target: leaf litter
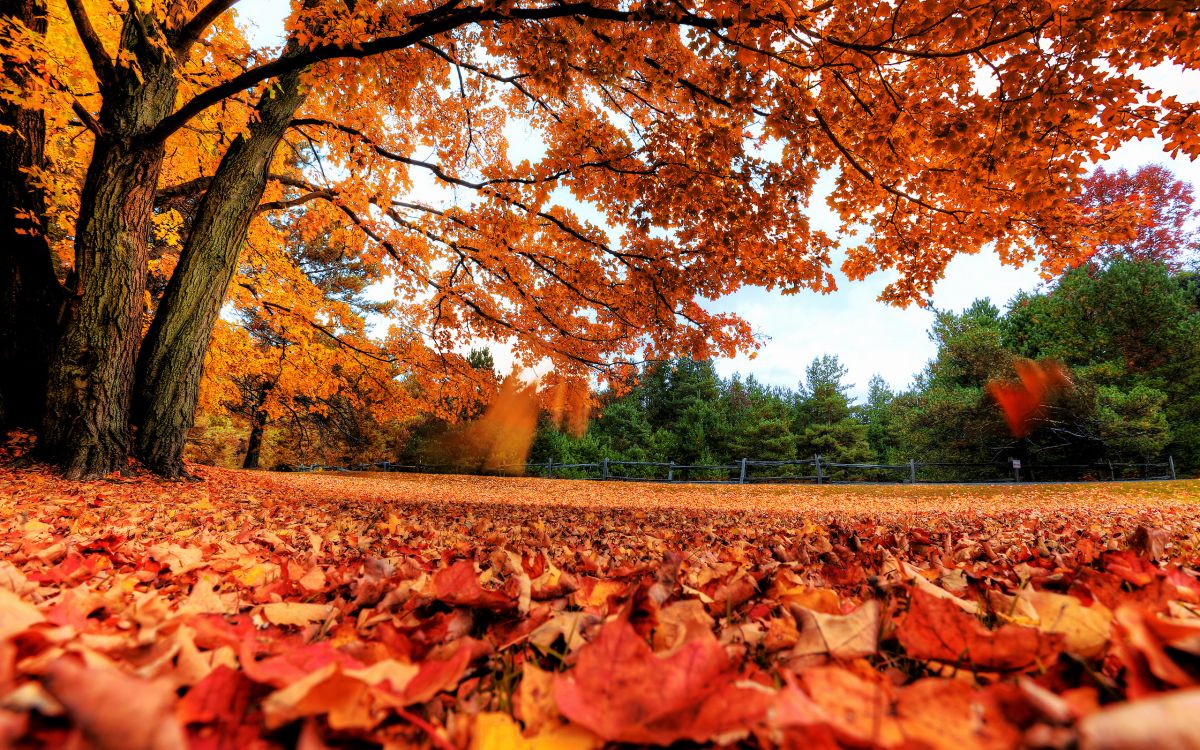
[349,611]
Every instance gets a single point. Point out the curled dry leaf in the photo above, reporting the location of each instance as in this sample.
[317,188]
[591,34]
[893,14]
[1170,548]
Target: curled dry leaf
[349,698]
[571,627]
[841,636]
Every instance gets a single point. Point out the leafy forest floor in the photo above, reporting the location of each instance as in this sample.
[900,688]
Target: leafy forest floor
[254,610]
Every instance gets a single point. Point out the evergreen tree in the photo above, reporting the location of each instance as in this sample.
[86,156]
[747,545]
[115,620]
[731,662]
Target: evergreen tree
[824,415]
[877,413]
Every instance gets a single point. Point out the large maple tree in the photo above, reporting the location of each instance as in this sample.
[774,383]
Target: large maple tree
[694,134]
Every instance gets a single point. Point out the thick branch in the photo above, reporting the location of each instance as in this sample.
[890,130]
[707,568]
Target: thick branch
[191,31]
[200,184]
[488,188]
[102,64]
[86,117]
[437,25]
[293,202]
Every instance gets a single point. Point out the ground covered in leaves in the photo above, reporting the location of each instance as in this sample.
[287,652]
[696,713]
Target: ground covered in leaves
[309,611]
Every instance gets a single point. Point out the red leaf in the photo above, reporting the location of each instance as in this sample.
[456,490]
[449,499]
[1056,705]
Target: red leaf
[458,586]
[217,712]
[621,690]
[293,663]
[437,675]
[938,630]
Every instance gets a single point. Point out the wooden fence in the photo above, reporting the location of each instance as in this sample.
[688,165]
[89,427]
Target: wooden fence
[815,470]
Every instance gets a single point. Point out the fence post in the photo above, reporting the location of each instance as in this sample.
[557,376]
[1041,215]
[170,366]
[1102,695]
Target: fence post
[1016,470]
[604,468]
[817,463]
[912,471]
[1171,463]
[1112,473]
[742,474]
[671,471]
[550,468]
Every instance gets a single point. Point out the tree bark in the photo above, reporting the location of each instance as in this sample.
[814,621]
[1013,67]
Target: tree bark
[258,425]
[31,297]
[86,425]
[171,361]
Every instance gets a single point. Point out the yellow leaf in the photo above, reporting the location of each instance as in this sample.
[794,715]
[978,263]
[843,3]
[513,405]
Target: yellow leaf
[294,613]
[1085,630]
[497,731]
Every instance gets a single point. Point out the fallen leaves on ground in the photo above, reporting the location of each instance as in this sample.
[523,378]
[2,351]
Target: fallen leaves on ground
[273,611]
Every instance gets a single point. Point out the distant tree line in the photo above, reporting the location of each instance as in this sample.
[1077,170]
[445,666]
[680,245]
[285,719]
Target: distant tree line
[1128,330]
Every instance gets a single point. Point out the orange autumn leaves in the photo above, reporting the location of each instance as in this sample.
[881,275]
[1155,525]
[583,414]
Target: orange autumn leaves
[1025,401]
[281,611]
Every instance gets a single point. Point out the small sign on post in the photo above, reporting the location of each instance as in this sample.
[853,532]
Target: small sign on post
[1016,464]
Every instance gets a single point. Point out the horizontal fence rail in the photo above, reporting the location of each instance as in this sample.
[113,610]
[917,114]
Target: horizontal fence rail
[815,470]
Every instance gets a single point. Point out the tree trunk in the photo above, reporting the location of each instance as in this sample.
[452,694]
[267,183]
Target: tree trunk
[258,424]
[86,426]
[31,297]
[172,357]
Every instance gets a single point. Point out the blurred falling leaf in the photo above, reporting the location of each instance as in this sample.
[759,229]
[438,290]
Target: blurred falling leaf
[1022,402]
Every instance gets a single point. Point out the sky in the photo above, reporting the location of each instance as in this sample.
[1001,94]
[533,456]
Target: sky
[868,336]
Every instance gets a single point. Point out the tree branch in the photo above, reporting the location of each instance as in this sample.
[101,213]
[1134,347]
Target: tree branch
[89,122]
[293,202]
[200,184]
[438,24]
[191,31]
[102,64]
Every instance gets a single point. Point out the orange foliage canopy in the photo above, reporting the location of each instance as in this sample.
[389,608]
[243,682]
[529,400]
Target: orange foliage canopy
[576,179]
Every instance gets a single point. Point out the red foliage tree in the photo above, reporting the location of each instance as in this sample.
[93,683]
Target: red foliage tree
[1156,214]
